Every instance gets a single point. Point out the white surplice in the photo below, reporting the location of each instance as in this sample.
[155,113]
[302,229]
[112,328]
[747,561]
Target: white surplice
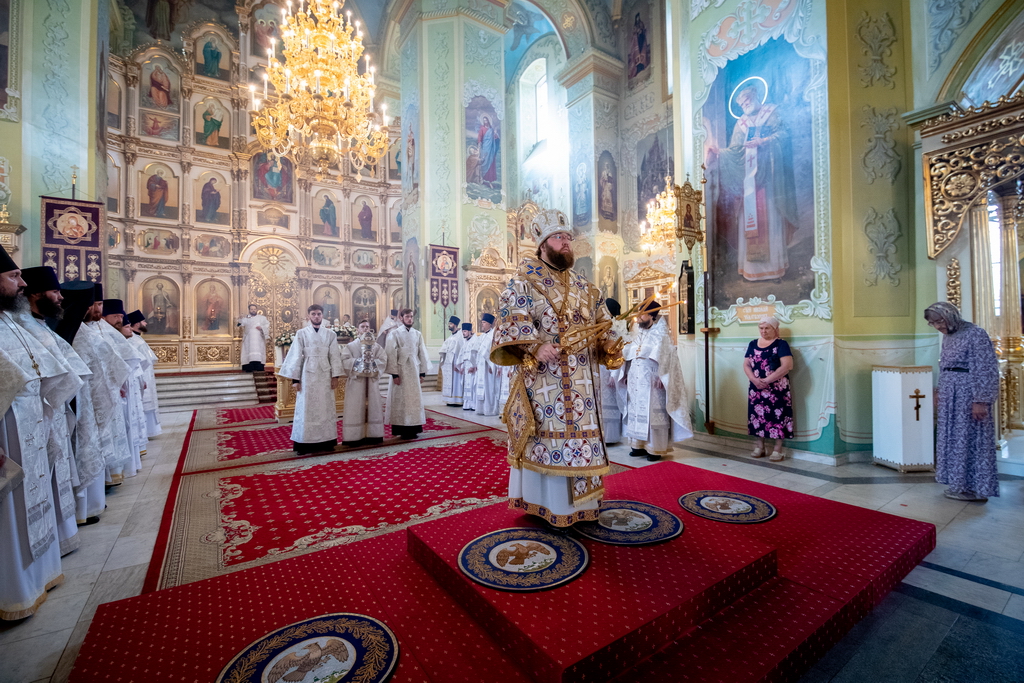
[313,359]
[149,398]
[109,374]
[487,377]
[29,552]
[364,406]
[254,342]
[471,350]
[382,334]
[406,358]
[656,416]
[134,413]
[452,378]
[613,394]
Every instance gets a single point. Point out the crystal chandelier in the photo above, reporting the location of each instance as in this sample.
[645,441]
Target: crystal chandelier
[320,109]
[660,227]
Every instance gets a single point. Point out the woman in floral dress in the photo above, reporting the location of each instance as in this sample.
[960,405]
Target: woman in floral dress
[767,364]
[965,448]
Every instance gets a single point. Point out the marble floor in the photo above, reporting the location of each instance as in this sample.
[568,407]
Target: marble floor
[959,616]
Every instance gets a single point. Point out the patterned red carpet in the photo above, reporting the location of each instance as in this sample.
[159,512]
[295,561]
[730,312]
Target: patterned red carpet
[217,449]
[217,521]
[236,417]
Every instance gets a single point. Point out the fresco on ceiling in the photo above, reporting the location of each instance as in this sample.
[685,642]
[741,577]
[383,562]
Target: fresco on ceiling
[760,190]
[529,25]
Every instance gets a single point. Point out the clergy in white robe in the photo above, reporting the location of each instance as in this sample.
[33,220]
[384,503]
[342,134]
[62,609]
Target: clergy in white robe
[364,361]
[44,298]
[91,436]
[451,378]
[613,387]
[314,365]
[134,415]
[255,328]
[466,364]
[390,324]
[407,362]
[150,401]
[29,377]
[656,412]
[488,374]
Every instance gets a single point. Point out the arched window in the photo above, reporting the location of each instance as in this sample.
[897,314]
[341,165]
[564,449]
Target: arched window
[533,104]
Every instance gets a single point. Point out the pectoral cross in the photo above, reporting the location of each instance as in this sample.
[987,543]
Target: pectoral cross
[917,396]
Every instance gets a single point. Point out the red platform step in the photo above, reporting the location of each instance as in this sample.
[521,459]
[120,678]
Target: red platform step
[632,600]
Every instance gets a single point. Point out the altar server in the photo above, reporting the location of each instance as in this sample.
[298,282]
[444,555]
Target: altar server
[314,365]
[391,323]
[363,361]
[94,404]
[451,378]
[466,365]
[488,374]
[150,402]
[255,328]
[42,291]
[656,414]
[613,388]
[29,551]
[407,361]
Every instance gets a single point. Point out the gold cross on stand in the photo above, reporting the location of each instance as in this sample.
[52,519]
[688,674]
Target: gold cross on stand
[917,396]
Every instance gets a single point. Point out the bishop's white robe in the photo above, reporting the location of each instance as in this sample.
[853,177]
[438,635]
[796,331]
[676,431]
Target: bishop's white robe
[363,419]
[656,416]
[29,551]
[487,377]
[406,359]
[65,472]
[254,342]
[452,378]
[150,402]
[313,359]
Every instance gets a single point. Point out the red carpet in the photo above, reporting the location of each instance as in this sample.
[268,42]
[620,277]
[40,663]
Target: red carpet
[217,449]
[235,417]
[221,520]
[833,561]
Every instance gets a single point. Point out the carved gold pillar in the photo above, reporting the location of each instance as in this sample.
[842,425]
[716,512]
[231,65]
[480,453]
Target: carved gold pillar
[1010,316]
[981,270]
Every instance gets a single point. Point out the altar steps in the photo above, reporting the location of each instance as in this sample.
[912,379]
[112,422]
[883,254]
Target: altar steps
[187,391]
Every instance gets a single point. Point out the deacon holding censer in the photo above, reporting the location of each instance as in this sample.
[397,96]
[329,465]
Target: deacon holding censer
[554,328]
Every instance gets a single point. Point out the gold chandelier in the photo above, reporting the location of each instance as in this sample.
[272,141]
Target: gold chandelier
[321,107]
[667,220]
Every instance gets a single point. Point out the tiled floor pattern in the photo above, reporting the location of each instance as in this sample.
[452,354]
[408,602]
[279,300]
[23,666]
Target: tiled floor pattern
[957,617]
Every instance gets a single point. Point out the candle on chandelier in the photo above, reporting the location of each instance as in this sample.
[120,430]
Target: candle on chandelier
[384,113]
[265,77]
[252,95]
[317,75]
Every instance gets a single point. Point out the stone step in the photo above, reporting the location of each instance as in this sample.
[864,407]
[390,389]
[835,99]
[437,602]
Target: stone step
[200,390]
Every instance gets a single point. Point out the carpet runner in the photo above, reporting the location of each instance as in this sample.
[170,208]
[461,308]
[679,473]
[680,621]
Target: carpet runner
[221,520]
[235,417]
[217,449]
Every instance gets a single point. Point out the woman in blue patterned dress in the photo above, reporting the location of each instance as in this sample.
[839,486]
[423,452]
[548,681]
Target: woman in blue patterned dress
[965,448]
[767,364]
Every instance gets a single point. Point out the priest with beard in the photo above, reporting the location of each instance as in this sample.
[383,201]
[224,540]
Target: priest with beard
[70,469]
[107,386]
[656,413]
[407,362]
[138,326]
[451,378]
[314,365]
[91,437]
[556,447]
[131,402]
[29,376]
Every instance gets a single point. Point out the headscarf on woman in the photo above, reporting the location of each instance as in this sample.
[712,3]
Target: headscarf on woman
[947,313]
[769,320]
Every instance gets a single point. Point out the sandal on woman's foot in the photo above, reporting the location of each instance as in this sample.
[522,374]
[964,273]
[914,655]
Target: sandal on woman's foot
[758,452]
[777,456]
